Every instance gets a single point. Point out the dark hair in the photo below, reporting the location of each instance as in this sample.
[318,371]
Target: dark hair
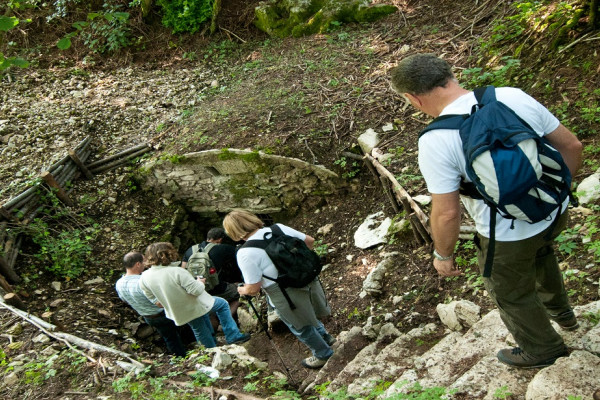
[420,73]
[132,258]
[161,253]
[216,234]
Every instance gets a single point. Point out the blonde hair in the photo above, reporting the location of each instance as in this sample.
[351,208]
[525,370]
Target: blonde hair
[239,223]
[161,253]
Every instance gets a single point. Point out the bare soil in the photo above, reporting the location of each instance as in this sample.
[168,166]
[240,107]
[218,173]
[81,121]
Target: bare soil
[308,98]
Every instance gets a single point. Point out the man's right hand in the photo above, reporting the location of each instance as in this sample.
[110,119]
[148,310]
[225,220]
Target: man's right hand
[446,268]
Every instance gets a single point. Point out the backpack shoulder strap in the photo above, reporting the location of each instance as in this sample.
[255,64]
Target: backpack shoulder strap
[208,247]
[195,248]
[449,121]
[276,230]
[485,94]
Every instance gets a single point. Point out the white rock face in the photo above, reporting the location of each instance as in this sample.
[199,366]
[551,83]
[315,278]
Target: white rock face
[589,189]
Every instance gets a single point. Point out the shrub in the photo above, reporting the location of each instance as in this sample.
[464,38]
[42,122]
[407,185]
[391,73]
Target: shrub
[185,15]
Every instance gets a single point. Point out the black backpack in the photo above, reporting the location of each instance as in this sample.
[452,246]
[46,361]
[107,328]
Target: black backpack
[296,263]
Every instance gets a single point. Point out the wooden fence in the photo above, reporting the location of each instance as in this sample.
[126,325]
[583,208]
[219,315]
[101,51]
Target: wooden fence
[23,208]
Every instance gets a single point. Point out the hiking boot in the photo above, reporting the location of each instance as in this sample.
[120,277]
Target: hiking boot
[516,357]
[566,320]
[330,340]
[242,339]
[313,362]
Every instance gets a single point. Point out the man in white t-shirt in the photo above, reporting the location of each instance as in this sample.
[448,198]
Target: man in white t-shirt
[525,282]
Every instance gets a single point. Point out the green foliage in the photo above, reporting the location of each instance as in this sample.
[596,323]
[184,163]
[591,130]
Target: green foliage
[502,393]
[566,242]
[64,239]
[185,15]
[320,248]
[6,24]
[501,75]
[351,169]
[102,32]
[65,252]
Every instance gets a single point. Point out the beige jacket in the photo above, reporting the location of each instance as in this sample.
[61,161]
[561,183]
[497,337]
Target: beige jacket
[183,297]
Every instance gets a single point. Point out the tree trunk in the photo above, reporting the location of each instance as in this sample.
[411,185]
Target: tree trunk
[594,22]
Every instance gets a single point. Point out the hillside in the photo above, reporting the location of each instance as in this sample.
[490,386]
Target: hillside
[308,98]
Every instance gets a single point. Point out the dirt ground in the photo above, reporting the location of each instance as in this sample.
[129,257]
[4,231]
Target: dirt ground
[308,98]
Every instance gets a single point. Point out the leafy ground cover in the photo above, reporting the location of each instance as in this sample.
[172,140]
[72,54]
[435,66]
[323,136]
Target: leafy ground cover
[307,98]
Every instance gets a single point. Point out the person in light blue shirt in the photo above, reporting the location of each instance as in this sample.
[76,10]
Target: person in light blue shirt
[128,289]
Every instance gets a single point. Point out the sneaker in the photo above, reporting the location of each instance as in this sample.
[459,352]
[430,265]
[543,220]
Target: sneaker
[313,362]
[566,320]
[242,339]
[330,340]
[518,358]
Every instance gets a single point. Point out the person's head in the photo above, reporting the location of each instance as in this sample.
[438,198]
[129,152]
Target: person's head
[215,234]
[161,253]
[131,259]
[419,74]
[239,223]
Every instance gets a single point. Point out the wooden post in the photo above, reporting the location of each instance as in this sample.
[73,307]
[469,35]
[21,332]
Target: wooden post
[5,285]
[60,192]
[14,300]
[80,165]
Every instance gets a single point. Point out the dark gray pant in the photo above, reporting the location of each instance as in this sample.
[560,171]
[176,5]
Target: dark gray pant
[526,284]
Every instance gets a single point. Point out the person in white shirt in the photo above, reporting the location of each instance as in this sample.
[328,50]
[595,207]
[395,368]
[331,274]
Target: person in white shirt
[525,283]
[310,303]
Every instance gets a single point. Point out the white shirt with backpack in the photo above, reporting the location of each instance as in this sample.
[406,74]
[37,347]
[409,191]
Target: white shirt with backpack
[254,262]
[442,161]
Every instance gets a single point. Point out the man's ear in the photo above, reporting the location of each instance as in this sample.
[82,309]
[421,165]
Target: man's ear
[414,100]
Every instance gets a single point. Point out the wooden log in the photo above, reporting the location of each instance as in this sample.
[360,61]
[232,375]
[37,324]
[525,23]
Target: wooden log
[60,192]
[5,214]
[119,155]
[17,201]
[7,270]
[14,300]
[5,285]
[118,163]
[421,229]
[389,193]
[401,192]
[12,259]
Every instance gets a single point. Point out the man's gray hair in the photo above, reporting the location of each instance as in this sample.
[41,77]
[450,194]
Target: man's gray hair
[420,74]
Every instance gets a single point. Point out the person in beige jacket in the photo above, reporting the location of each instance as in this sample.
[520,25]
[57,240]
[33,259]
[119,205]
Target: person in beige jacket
[184,299]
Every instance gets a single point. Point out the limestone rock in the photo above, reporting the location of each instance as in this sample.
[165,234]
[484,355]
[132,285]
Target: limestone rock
[372,231]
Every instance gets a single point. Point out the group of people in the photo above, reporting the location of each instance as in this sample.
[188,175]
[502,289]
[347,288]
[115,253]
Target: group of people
[167,295]
[525,281]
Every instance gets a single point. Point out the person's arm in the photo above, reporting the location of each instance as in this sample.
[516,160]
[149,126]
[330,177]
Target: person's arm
[445,226]
[310,241]
[184,264]
[569,147]
[249,289]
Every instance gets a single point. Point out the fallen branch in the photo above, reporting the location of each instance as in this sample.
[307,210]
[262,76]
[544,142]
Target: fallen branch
[400,192]
[68,339]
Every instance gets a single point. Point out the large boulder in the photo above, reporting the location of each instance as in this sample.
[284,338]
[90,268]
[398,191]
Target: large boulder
[283,18]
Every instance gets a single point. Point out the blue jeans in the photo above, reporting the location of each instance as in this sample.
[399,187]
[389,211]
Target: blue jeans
[312,336]
[168,330]
[203,329]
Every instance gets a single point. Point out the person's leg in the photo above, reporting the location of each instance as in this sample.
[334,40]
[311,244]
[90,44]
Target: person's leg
[513,287]
[230,328]
[312,338]
[168,330]
[203,331]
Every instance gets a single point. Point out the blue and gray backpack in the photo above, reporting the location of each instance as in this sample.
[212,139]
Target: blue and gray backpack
[515,171]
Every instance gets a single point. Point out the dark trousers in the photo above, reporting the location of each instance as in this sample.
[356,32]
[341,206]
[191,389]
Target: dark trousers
[169,332]
[526,284]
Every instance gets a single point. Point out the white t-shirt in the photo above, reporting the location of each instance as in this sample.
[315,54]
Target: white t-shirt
[254,262]
[442,161]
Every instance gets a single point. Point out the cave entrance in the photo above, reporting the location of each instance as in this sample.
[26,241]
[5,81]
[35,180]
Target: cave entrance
[190,228]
